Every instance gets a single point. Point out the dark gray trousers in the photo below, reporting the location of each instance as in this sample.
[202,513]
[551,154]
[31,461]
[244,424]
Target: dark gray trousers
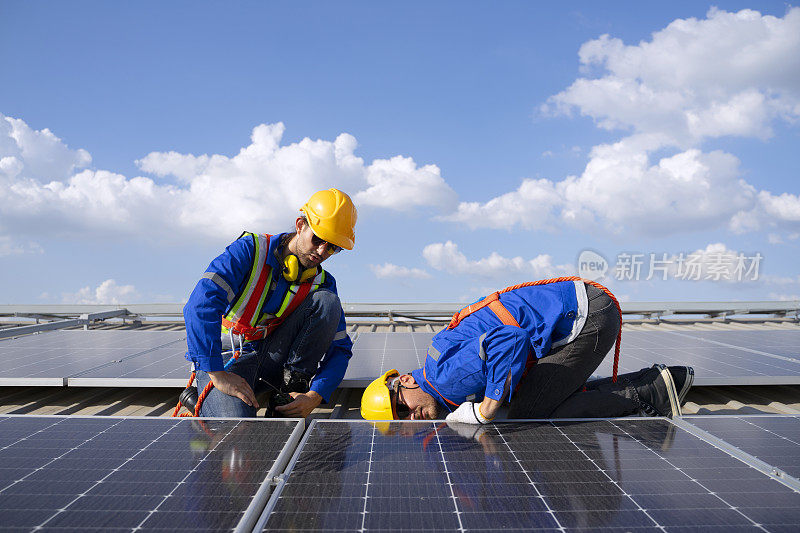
[553,387]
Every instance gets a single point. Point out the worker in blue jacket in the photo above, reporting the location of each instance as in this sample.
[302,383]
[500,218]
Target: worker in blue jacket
[266,316]
[533,346]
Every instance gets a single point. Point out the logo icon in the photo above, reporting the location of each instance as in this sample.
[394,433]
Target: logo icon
[592,265]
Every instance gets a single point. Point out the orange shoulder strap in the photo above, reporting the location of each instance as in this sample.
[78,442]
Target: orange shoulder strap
[493,301]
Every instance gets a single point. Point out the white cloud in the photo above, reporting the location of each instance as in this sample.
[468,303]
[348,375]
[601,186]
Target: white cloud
[108,292]
[727,74]
[621,190]
[397,183]
[10,247]
[730,74]
[215,196]
[446,257]
[388,270]
[37,155]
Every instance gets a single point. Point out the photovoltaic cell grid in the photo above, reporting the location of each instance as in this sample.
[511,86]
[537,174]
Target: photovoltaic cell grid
[47,359]
[627,475]
[773,439]
[375,353]
[169,474]
[774,342]
[713,362]
[163,367]
[719,358]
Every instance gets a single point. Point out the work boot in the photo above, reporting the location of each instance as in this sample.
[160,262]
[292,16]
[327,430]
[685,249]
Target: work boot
[656,393]
[295,381]
[683,376]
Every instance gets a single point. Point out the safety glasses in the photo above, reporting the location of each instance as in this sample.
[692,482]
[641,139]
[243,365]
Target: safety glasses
[317,242]
[399,408]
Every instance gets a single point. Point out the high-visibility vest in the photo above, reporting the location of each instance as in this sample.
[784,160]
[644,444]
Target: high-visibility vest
[245,316]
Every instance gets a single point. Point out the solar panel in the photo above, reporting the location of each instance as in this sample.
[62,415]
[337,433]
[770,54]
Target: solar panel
[138,474]
[375,353]
[165,366]
[778,343]
[47,359]
[772,439]
[714,363]
[624,474]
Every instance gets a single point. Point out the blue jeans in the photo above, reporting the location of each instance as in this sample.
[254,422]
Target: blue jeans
[299,343]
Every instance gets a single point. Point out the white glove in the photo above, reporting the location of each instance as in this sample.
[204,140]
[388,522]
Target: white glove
[468,431]
[467,413]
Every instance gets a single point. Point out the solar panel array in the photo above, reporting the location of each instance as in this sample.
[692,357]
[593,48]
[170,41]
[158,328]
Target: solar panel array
[375,353]
[775,343]
[716,362]
[52,358]
[163,367]
[772,439]
[156,358]
[602,475]
[718,357]
[61,473]
[82,473]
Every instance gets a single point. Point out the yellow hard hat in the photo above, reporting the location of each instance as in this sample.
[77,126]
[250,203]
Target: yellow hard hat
[332,217]
[376,404]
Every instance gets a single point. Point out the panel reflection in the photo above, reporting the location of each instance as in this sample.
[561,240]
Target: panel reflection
[567,475]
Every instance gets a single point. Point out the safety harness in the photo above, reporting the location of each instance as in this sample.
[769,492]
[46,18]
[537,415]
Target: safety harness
[496,306]
[245,317]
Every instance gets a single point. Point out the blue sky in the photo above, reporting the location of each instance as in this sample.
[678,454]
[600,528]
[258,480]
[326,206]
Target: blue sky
[484,144]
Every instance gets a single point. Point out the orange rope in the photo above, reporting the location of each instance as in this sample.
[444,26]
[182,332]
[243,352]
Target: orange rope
[457,317]
[178,407]
[200,398]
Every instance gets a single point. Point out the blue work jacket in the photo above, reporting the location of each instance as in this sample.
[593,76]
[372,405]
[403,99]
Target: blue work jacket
[475,359]
[209,302]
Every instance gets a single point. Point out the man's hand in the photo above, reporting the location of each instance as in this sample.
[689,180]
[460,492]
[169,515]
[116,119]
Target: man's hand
[467,413]
[302,405]
[234,385]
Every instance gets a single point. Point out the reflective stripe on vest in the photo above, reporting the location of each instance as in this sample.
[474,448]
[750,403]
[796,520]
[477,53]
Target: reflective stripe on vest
[245,316]
[295,290]
[243,311]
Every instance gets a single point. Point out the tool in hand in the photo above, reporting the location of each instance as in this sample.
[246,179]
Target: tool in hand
[278,398]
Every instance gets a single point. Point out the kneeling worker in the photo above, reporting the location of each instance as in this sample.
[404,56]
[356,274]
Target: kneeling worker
[269,303]
[534,344]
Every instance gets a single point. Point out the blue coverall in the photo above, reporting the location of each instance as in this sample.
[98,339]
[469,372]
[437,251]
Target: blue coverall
[475,359]
[210,301]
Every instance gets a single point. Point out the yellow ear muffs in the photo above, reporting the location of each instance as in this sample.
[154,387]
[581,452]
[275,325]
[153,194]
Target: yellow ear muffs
[292,273]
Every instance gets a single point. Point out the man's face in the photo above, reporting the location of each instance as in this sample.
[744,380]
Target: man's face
[310,249]
[421,405]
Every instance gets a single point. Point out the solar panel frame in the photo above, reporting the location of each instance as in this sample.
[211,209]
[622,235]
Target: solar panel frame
[709,471]
[768,448]
[51,358]
[120,492]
